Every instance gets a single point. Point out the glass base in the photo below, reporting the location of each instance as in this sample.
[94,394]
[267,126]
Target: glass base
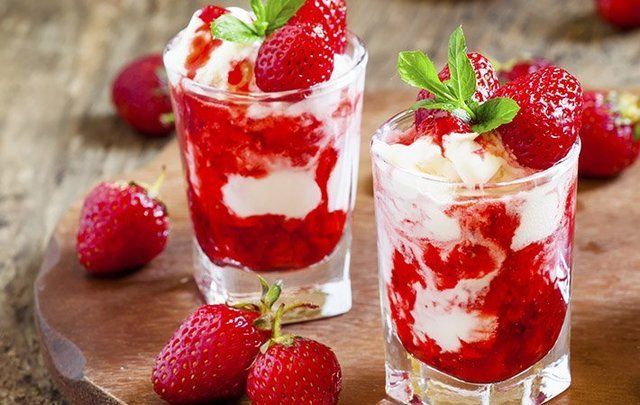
[412,382]
[325,284]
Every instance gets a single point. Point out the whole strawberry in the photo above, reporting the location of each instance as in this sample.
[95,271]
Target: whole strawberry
[141,97]
[296,56]
[209,356]
[610,133]
[620,13]
[294,370]
[549,119]
[122,227]
[459,99]
[486,86]
[515,69]
[297,51]
[332,14]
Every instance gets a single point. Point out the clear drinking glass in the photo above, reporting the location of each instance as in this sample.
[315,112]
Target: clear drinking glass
[271,183]
[474,282]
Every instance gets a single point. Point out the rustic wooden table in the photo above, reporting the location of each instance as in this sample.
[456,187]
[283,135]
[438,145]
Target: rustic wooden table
[58,133]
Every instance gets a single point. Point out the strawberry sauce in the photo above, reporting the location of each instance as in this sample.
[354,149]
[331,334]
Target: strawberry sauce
[475,289]
[201,48]
[222,140]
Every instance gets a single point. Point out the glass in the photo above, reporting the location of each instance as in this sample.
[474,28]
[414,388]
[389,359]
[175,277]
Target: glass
[474,282]
[271,183]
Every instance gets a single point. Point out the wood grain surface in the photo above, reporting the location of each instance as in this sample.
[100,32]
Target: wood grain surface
[59,135]
[100,336]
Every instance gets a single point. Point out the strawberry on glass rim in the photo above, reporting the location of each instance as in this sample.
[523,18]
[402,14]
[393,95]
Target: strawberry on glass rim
[299,40]
[474,191]
[268,122]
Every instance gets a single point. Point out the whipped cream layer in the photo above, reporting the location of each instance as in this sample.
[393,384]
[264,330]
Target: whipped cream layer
[461,158]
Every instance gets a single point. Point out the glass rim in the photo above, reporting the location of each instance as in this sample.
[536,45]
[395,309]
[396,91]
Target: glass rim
[558,168]
[360,54]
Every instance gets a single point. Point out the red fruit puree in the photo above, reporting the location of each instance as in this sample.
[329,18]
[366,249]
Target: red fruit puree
[220,139]
[230,139]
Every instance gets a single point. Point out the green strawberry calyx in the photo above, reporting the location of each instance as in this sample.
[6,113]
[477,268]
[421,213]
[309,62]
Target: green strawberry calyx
[456,94]
[270,15]
[268,319]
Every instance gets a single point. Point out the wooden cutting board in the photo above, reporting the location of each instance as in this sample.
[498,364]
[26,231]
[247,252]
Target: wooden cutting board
[100,336]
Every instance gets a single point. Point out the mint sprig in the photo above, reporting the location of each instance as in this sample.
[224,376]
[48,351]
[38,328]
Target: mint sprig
[456,94]
[270,16]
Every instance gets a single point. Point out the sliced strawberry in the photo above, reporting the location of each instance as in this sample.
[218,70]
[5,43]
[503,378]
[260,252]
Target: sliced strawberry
[549,119]
[332,14]
[608,142]
[296,56]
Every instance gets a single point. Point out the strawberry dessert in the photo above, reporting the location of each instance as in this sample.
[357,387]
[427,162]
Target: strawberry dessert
[475,201]
[267,107]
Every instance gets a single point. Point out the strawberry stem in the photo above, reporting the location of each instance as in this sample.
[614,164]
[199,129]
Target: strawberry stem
[277,322]
[155,187]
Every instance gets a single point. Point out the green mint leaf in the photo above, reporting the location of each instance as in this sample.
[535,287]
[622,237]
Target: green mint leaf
[416,69]
[463,77]
[278,12]
[259,10]
[232,29]
[434,105]
[495,112]
[636,132]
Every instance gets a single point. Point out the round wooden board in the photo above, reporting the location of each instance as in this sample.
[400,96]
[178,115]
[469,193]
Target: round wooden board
[100,336]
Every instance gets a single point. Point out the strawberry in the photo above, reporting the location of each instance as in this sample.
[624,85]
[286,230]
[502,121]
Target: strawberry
[332,14]
[486,85]
[549,119]
[512,70]
[141,98]
[210,13]
[610,133]
[439,123]
[208,357]
[486,78]
[620,13]
[122,227]
[294,370]
[296,56]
